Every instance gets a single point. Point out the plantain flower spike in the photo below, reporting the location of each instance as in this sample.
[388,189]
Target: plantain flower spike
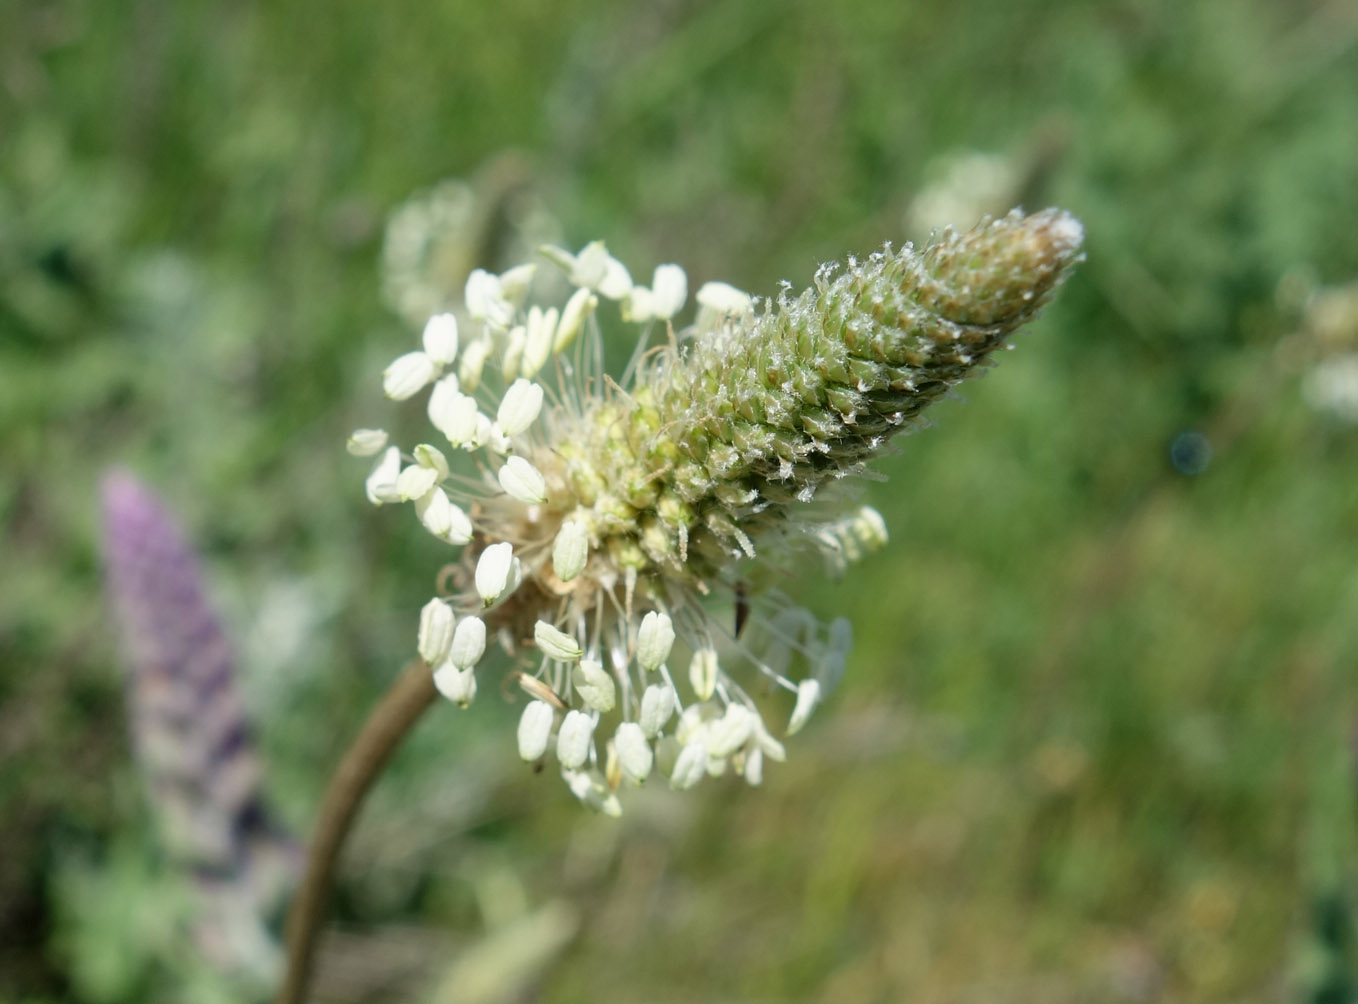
[606,534]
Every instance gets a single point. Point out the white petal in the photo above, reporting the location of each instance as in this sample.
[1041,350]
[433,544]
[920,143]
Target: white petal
[657,705]
[669,290]
[381,483]
[514,283]
[535,729]
[458,685]
[440,338]
[634,751]
[428,456]
[493,570]
[570,550]
[442,518]
[730,732]
[473,363]
[366,442]
[655,638]
[594,685]
[578,307]
[415,482]
[436,631]
[702,672]
[441,401]
[573,739]
[808,693]
[521,480]
[556,644]
[689,767]
[406,375]
[520,407]
[469,643]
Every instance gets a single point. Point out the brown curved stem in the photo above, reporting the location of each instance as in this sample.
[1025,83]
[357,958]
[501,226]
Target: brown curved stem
[388,724]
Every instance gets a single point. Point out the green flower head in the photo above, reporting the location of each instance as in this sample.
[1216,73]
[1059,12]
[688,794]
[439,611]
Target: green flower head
[611,533]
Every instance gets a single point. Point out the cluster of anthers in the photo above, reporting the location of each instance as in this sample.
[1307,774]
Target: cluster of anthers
[609,527]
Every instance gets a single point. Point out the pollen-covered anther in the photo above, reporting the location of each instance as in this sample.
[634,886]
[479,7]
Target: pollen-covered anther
[594,685]
[690,766]
[408,375]
[442,518]
[366,442]
[555,643]
[573,739]
[808,694]
[570,550]
[655,638]
[436,631]
[521,480]
[634,752]
[702,672]
[456,684]
[573,316]
[497,572]
[519,407]
[657,706]
[730,732]
[468,644]
[415,482]
[535,729]
[381,483]
[440,339]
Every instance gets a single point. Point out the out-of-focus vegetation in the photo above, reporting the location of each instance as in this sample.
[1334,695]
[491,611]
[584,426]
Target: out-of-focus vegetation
[1096,738]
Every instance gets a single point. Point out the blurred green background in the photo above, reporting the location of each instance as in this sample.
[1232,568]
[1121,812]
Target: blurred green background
[1096,738]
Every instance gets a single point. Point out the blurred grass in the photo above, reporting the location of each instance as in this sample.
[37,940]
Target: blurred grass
[1094,741]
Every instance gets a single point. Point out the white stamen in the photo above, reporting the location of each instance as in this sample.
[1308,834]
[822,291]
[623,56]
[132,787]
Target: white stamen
[469,643]
[634,751]
[535,729]
[436,631]
[570,550]
[458,685]
[366,442]
[655,639]
[440,338]
[595,686]
[573,739]
[555,643]
[407,375]
[520,407]
[494,570]
[522,480]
